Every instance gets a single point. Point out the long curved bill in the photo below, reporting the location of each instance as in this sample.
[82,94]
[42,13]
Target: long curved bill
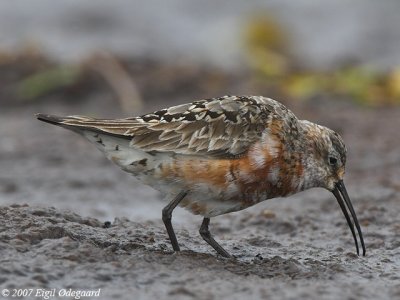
[343,199]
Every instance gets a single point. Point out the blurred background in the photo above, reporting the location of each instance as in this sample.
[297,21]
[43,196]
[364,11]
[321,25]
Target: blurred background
[298,49]
[336,63]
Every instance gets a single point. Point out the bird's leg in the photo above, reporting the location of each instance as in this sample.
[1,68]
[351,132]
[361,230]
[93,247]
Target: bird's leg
[167,216]
[206,235]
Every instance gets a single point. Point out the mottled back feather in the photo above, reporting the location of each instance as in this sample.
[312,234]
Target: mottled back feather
[220,127]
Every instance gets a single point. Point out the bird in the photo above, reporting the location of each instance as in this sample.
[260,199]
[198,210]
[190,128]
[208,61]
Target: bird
[220,155]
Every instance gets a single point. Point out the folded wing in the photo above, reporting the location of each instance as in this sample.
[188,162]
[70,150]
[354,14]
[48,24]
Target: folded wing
[223,127]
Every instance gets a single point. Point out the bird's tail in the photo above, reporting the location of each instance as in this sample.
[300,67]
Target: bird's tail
[117,128]
[109,136]
[71,122]
[55,120]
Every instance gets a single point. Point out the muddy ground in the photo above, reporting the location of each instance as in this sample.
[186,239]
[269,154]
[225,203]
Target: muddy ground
[57,190]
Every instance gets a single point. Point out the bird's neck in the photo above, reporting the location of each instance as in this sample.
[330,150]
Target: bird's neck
[311,136]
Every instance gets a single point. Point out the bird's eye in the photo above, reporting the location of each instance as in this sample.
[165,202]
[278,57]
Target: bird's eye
[332,160]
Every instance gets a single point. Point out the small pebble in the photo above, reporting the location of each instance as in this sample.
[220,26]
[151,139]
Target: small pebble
[107,224]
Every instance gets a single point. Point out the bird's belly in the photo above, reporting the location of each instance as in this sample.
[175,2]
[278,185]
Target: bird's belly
[211,191]
[210,207]
[216,186]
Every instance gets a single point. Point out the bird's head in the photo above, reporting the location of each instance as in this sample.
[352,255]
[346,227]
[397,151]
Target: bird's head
[324,159]
[324,156]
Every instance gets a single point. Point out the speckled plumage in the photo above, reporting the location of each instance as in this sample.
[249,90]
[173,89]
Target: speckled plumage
[225,153]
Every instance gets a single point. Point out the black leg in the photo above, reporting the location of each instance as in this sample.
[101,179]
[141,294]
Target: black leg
[167,216]
[206,235]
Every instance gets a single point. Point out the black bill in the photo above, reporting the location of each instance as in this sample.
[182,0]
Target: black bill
[340,193]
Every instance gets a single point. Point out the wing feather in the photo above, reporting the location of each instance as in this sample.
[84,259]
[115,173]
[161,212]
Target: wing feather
[224,126]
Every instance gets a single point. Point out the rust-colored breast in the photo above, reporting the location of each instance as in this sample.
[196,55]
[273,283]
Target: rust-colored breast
[260,174]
